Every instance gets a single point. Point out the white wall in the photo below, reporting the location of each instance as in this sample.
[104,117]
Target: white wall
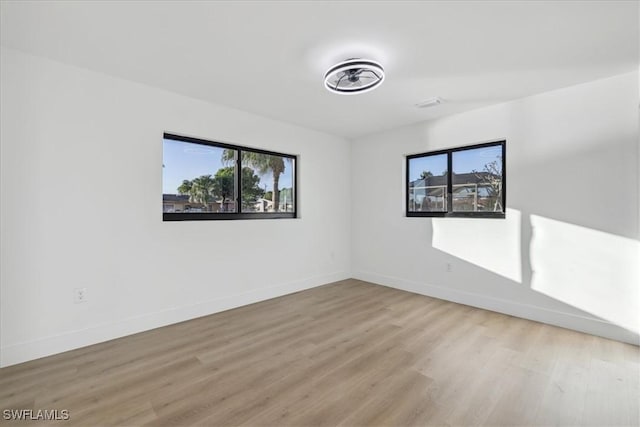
[81,159]
[567,254]
[80,205]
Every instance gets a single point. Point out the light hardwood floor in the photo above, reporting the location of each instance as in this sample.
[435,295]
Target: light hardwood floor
[348,353]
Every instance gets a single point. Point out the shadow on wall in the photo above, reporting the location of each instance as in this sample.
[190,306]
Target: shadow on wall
[491,244]
[568,233]
[594,271]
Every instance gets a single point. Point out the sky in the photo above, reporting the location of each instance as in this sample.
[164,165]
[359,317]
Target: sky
[185,160]
[463,161]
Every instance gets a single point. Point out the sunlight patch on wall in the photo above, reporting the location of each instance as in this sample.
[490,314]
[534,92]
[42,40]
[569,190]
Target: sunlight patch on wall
[493,244]
[591,270]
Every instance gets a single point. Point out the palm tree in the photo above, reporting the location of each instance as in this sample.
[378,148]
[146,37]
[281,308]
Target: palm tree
[263,164]
[185,187]
[200,190]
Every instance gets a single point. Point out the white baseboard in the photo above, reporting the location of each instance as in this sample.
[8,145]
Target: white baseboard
[588,325]
[35,349]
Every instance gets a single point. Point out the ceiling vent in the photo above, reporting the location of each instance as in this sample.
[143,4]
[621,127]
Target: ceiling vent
[354,76]
[431,102]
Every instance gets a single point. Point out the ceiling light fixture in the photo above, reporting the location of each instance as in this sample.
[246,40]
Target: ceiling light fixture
[354,76]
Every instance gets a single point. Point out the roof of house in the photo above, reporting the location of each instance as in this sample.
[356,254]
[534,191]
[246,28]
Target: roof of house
[175,198]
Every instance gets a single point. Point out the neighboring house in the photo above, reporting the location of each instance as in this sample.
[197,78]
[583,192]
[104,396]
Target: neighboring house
[180,203]
[286,202]
[472,191]
[263,205]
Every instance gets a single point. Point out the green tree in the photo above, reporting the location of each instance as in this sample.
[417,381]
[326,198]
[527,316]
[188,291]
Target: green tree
[206,189]
[223,185]
[202,190]
[263,164]
[185,187]
[251,191]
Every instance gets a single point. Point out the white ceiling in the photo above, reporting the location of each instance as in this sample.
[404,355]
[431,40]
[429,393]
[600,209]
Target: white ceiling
[269,57]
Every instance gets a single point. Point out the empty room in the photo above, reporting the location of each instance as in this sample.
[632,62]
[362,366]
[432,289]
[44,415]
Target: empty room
[320,213]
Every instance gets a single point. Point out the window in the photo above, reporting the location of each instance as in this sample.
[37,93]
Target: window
[476,186]
[205,180]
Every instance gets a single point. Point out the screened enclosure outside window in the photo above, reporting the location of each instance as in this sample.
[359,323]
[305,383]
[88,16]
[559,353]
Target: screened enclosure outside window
[476,186]
[428,183]
[206,180]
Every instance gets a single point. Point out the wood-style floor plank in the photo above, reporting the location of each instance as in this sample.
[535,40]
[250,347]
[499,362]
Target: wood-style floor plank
[344,354]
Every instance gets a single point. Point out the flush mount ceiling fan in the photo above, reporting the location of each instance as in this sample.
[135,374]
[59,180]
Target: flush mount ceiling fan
[354,76]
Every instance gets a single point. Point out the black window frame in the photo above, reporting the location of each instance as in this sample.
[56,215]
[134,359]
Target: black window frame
[221,216]
[450,213]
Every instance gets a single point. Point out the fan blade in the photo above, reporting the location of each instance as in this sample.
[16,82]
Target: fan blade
[336,85]
[372,74]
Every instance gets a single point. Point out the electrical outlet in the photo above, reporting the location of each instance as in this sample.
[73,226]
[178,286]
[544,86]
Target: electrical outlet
[79,295]
[448,267]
